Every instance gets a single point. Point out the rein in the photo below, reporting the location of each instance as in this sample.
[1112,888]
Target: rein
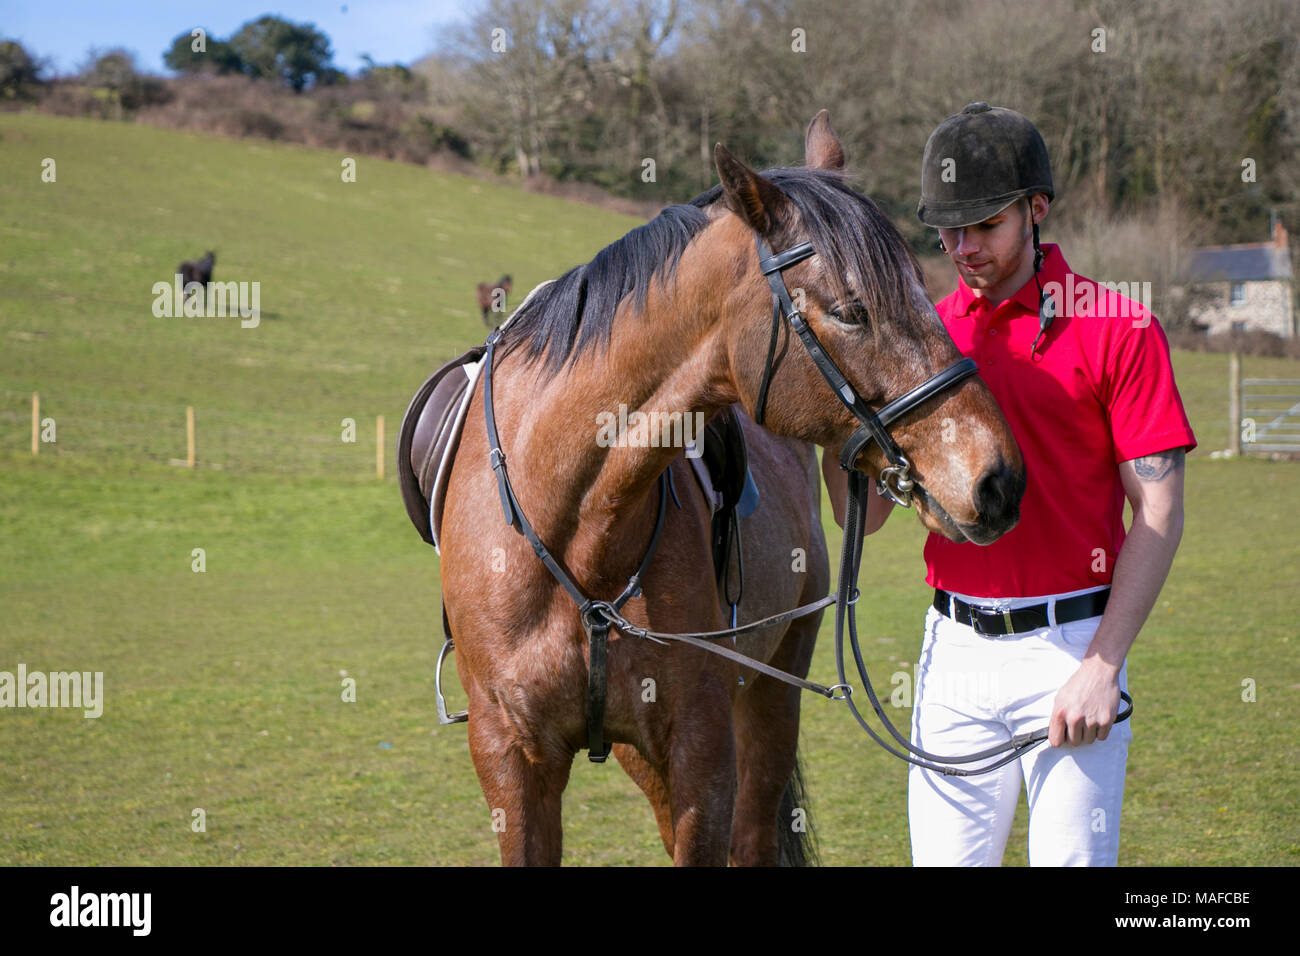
[599,616]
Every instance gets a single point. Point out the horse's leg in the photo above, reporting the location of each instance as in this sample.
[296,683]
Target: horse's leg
[701,772]
[767,737]
[689,775]
[523,777]
[652,784]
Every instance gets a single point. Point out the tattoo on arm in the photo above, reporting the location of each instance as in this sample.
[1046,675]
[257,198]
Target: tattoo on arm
[1159,466]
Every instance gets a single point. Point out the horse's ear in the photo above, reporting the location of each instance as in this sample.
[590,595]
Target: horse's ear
[821,147]
[749,195]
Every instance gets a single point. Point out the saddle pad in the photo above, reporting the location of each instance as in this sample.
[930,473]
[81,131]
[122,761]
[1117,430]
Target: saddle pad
[429,436]
[748,497]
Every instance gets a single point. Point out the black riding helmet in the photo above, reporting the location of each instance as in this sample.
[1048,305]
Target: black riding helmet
[977,163]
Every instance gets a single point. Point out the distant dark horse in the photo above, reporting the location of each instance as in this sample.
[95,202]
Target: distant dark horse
[489,300]
[200,272]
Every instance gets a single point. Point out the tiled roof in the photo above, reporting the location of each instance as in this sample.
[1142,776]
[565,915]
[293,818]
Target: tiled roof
[1240,263]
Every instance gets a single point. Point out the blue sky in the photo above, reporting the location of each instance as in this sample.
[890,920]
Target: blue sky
[62,31]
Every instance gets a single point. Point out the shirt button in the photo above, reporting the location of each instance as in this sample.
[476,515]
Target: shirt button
[993,331]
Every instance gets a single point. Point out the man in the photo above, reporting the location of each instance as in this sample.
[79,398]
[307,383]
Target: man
[1086,385]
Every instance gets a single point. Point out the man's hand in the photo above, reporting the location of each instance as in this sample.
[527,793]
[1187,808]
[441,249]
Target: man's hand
[1085,706]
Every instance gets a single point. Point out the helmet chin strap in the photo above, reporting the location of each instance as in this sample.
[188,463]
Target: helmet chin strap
[1046,304]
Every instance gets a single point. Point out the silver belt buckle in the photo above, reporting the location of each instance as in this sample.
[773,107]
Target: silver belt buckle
[978,614]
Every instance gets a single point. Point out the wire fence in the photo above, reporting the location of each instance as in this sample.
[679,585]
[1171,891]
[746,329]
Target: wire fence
[66,424]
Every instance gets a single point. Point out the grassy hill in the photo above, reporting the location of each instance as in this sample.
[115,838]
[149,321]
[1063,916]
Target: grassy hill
[223,688]
[365,286]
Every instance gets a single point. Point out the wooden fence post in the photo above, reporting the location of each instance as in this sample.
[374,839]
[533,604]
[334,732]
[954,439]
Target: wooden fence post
[189,436]
[379,447]
[1234,403]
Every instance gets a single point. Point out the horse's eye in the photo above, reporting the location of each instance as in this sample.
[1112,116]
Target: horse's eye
[851,313]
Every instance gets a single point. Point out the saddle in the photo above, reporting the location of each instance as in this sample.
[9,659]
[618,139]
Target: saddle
[434,420]
[429,437]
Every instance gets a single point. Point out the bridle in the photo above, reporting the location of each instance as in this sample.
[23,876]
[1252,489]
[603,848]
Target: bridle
[895,481]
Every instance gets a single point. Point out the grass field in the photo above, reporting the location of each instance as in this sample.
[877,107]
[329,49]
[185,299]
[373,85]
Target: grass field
[224,688]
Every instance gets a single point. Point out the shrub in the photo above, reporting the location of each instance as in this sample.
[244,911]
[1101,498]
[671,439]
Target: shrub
[20,73]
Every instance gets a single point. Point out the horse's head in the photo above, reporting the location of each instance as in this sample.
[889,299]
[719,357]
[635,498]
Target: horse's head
[861,294]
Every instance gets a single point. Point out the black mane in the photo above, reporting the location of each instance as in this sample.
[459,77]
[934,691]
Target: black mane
[576,312]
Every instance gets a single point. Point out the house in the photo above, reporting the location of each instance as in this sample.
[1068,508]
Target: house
[1245,287]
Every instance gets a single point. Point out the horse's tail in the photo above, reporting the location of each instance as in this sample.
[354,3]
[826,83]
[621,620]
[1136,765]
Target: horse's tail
[796,842]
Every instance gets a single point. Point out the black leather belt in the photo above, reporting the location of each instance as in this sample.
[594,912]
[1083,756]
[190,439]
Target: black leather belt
[996,623]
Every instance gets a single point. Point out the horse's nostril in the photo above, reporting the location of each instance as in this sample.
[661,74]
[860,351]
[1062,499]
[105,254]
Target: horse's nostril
[997,491]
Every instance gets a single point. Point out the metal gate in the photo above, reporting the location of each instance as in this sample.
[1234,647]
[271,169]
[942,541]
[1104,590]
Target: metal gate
[1270,415]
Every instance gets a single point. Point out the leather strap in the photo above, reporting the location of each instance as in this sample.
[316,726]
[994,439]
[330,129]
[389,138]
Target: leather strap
[597,747]
[595,624]
[771,265]
[775,262]
[769,367]
[701,640]
[993,623]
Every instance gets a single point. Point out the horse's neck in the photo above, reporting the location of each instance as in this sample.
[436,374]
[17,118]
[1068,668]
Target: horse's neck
[667,361]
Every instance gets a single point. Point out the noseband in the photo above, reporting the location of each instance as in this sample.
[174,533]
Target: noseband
[599,616]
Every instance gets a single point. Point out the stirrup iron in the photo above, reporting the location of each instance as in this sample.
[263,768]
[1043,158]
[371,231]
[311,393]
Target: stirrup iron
[459,717]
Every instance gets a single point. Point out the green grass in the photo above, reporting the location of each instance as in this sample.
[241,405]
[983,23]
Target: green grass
[224,688]
[365,287]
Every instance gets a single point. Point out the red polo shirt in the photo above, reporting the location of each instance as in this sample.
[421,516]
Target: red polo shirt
[1099,391]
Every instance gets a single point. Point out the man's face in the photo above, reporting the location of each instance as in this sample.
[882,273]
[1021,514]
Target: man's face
[989,253]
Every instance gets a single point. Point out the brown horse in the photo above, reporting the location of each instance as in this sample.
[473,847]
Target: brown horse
[492,298]
[675,317]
